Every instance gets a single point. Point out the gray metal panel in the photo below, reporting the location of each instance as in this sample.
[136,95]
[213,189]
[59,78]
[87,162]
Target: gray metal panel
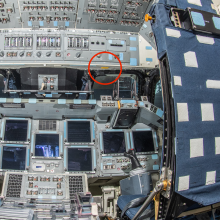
[111,14]
[98,43]
[10,16]
[84,14]
[11,213]
[41,186]
[136,185]
[150,115]
[117,164]
[49,111]
[48,14]
[116,45]
[147,33]
[39,47]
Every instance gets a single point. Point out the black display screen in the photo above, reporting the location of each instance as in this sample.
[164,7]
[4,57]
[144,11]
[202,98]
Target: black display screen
[16,130]
[143,141]
[79,159]
[79,131]
[47,145]
[14,158]
[114,142]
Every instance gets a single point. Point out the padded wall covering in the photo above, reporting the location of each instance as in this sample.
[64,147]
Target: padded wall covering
[195,72]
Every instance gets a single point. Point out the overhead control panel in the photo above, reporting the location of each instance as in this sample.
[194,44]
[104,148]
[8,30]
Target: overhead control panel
[123,15]
[63,32]
[47,14]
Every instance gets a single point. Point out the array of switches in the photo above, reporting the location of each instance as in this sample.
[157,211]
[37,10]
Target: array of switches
[45,179]
[45,8]
[15,54]
[130,23]
[107,101]
[109,167]
[48,19]
[78,42]
[45,42]
[47,11]
[14,185]
[127,164]
[34,188]
[44,191]
[18,42]
[108,104]
[75,185]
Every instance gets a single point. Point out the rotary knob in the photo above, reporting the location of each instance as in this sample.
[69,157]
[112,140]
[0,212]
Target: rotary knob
[78,55]
[38,54]
[1,54]
[48,54]
[21,54]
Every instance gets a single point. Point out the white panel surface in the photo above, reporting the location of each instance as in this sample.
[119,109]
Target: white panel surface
[213,84]
[207,112]
[196,147]
[183,183]
[210,177]
[182,110]
[177,81]
[173,33]
[190,59]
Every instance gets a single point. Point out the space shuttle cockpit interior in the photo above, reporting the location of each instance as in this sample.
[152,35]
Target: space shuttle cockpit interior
[81,109]
[87,117]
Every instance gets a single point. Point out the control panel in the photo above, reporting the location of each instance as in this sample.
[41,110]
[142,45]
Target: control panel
[53,158]
[65,46]
[48,13]
[18,42]
[47,82]
[112,143]
[46,166]
[48,42]
[112,14]
[117,166]
[39,186]
[63,32]
[124,15]
[53,147]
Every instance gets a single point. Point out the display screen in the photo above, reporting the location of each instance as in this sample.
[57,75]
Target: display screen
[79,159]
[143,141]
[114,142]
[79,131]
[47,145]
[16,130]
[14,158]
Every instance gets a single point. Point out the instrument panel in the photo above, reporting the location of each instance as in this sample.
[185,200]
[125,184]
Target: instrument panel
[67,46]
[50,152]
[125,15]
[43,186]
[73,146]
[72,32]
